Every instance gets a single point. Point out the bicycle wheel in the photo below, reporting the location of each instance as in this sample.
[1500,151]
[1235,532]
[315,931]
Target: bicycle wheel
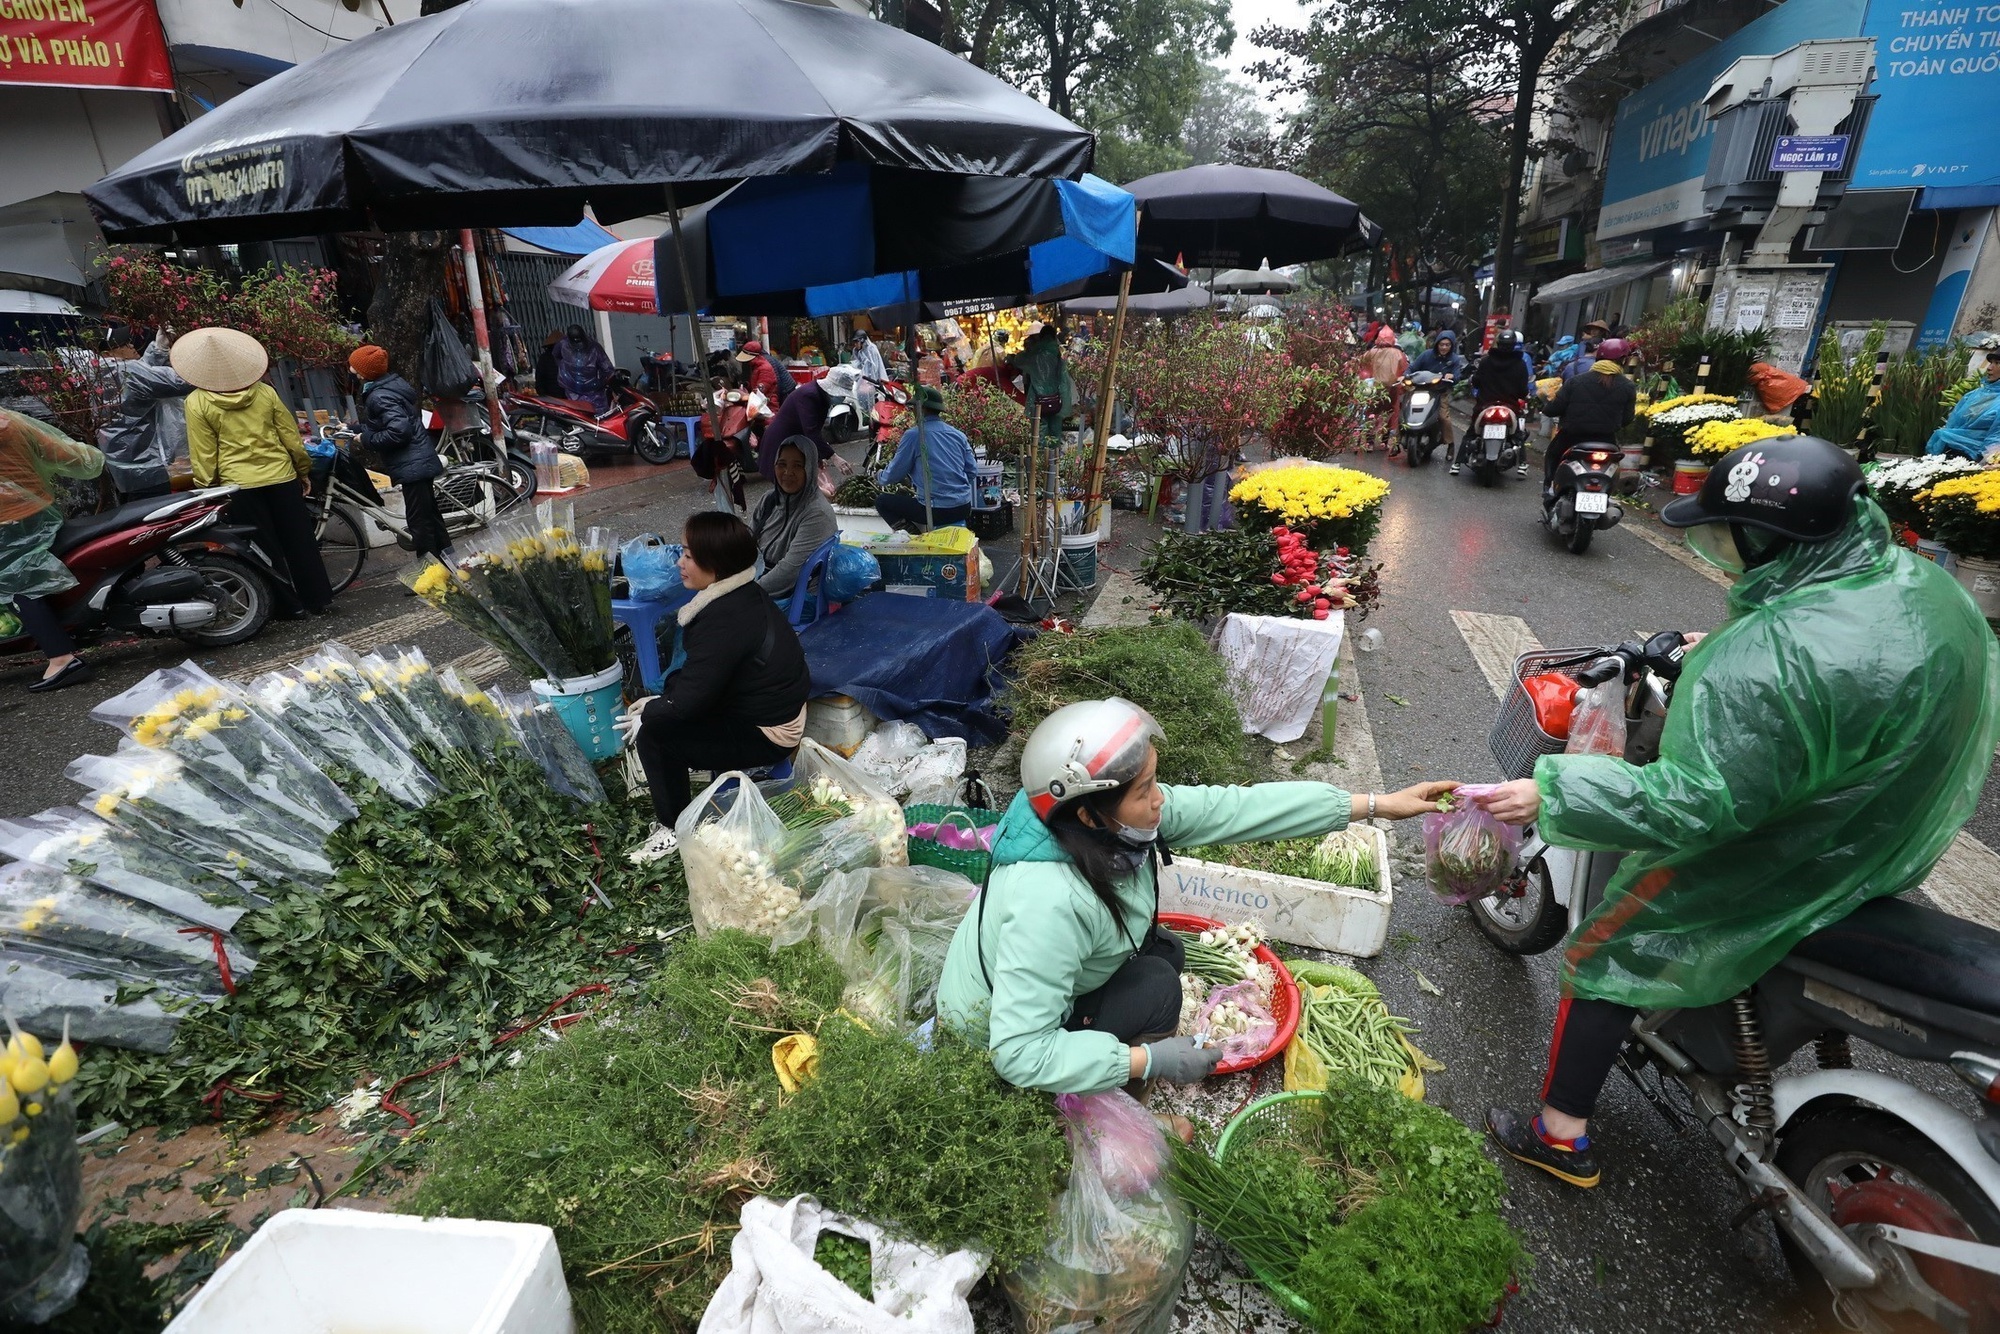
[473,497]
[343,547]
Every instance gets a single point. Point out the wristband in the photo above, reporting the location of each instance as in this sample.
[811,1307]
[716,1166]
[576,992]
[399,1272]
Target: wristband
[1147,1072]
[1371,805]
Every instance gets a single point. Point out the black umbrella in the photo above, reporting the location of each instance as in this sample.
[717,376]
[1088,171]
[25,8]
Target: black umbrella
[520,112]
[1176,301]
[1225,217]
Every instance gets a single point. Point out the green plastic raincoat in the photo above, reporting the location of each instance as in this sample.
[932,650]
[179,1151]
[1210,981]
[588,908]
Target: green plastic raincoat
[1823,747]
[32,455]
[1047,939]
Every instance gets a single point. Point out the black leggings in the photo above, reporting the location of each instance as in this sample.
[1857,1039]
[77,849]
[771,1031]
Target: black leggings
[1586,1042]
[1141,1002]
[44,626]
[669,750]
[285,531]
[420,513]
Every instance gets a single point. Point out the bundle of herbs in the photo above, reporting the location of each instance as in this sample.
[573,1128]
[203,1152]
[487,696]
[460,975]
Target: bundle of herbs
[441,928]
[638,1138]
[1362,1210]
[1343,858]
[1168,669]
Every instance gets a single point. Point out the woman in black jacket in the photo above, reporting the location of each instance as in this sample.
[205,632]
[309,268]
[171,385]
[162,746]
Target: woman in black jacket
[739,701]
[392,429]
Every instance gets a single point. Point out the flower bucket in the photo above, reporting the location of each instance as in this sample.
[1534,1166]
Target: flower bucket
[1632,459]
[1079,560]
[1688,477]
[1981,578]
[1937,553]
[588,705]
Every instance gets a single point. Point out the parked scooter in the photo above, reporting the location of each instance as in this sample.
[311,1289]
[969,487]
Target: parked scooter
[632,422]
[462,433]
[1426,399]
[166,565]
[1497,440]
[1886,1199]
[1579,503]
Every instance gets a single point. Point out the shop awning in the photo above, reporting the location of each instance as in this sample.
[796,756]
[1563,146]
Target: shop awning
[579,238]
[1592,281]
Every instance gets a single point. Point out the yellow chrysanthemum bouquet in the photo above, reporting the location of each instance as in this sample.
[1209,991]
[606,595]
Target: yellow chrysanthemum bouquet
[1331,507]
[1712,439]
[1964,513]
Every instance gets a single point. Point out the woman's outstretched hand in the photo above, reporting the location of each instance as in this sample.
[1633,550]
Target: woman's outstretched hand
[1416,799]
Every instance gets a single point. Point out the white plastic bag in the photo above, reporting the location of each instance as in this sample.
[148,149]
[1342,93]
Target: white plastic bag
[730,840]
[1597,723]
[1278,669]
[825,776]
[908,765]
[774,1285]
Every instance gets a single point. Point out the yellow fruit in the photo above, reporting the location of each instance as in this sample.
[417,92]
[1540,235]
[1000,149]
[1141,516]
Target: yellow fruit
[21,1134]
[31,1074]
[63,1064]
[27,1043]
[33,1109]
[10,1106]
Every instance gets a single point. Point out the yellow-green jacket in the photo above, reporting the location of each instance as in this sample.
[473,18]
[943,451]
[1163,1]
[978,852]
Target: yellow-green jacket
[246,438]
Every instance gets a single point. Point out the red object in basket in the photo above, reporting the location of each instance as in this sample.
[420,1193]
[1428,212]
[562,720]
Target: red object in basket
[1554,698]
[1284,995]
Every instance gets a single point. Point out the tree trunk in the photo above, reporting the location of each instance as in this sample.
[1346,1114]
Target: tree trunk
[399,313]
[1517,167]
[982,35]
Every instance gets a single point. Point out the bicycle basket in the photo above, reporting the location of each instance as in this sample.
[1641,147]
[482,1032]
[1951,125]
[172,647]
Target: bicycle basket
[1517,739]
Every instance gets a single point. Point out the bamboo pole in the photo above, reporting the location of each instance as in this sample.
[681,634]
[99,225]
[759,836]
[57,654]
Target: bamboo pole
[1094,483]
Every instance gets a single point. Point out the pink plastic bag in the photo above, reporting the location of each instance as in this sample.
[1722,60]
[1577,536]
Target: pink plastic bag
[954,834]
[1467,852]
[1251,1042]
[1124,1144]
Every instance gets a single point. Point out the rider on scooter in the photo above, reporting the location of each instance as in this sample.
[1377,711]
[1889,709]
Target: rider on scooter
[1442,358]
[1500,377]
[1823,748]
[1593,408]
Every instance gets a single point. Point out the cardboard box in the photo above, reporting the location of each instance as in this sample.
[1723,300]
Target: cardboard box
[1289,908]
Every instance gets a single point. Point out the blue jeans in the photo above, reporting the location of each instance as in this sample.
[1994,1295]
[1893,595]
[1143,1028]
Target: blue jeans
[908,511]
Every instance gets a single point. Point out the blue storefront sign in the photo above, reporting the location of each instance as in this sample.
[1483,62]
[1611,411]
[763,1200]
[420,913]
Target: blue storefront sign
[1938,84]
[1809,152]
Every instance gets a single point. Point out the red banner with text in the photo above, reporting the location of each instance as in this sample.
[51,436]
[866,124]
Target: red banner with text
[84,44]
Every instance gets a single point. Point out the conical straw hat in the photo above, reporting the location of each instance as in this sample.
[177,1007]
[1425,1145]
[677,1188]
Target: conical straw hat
[219,360]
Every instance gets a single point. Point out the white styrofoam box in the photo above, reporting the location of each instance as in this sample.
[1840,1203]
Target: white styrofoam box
[372,529]
[1290,908]
[329,1271]
[861,522]
[839,722]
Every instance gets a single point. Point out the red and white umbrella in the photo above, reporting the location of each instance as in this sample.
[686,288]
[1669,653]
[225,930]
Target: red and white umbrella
[616,277]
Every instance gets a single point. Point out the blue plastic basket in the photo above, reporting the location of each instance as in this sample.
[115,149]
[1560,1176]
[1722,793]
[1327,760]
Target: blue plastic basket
[588,707]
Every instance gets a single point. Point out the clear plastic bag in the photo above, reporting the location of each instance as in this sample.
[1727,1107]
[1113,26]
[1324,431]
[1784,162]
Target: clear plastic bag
[52,915]
[1244,999]
[538,731]
[729,836]
[889,928]
[41,1198]
[1467,853]
[1121,1237]
[173,807]
[652,567]
[1597,722]
[825,777]
[67,839]
[207,726]
[424,710]
[44,992]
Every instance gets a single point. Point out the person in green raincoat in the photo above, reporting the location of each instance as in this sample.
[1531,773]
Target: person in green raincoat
[1824,746]
[1060,969]
[1050,389]
[32,455]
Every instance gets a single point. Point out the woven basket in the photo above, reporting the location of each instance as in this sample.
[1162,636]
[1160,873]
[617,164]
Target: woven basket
[968,862]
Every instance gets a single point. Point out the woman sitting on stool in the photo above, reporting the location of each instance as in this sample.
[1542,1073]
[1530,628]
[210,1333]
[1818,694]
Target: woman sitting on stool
[739,701]
[794,520]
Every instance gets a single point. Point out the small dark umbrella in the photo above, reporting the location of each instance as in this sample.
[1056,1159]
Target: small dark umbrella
[1226,217]
[520,112]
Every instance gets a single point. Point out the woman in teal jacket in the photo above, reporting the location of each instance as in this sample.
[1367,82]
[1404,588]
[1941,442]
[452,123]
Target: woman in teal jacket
[1059,969]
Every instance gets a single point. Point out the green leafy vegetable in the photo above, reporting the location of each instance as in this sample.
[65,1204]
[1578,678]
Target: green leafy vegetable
[847,1259]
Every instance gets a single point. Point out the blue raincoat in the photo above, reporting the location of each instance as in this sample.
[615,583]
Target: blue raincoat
[1973,429]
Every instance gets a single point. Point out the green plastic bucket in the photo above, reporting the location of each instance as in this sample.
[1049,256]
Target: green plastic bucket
[588,707]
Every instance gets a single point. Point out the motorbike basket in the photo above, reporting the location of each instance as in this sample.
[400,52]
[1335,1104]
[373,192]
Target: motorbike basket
[1517,739]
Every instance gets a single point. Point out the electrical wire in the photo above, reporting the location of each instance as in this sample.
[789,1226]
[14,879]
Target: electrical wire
[1937,231]
[303,24]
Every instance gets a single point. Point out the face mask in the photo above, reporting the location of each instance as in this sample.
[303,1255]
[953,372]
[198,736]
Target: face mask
[1133,837]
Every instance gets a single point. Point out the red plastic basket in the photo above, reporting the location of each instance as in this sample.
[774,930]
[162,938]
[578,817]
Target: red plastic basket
[1284,995]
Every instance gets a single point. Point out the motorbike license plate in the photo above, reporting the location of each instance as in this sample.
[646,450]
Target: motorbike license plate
[1591,502]
[1495,431]
[1420,400]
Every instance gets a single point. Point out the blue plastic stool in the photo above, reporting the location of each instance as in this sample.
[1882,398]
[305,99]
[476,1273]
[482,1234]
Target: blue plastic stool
[688,425]
[775,773]
[643,617]
[815,567]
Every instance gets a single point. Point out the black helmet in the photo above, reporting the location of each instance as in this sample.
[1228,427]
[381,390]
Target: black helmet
[1793,488]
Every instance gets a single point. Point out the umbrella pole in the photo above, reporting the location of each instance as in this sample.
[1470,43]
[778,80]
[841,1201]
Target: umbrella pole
[475,296]
[1031,523]
[916,401]
[694,338]
[1094,484]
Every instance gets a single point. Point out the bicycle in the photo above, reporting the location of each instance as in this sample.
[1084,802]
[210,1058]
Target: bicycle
[344,500]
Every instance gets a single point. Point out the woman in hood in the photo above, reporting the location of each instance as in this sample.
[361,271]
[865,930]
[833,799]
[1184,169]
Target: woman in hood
[794,520]
[240,433]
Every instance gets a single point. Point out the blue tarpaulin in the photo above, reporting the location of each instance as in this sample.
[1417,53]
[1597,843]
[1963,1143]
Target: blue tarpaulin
[579,238]
[928,661]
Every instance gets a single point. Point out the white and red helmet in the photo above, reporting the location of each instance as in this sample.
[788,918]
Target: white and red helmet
[1083,748]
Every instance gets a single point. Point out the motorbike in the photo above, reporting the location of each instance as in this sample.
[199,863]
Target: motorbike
[1497,440]
[862,408]
[1579,503]
[1886,1199]
[632,422]
[462,433]
[1426,398]
[166,565]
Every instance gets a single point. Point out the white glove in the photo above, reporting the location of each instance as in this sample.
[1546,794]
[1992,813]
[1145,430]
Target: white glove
[629,722]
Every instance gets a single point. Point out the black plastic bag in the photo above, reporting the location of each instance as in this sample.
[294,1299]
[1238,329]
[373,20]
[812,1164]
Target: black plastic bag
[448,369]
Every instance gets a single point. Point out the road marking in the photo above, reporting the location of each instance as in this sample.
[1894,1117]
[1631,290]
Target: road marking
[1964,883]
[361,640]
[1495,642]
[1640,529]
[479,666]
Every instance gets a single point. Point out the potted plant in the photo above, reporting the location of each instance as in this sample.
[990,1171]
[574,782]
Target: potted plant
[1326,505]
[1729,352]
[1896,486]
[1711,440]
[1671,419]
[1841,387]
[1964,514]
[1912,403]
